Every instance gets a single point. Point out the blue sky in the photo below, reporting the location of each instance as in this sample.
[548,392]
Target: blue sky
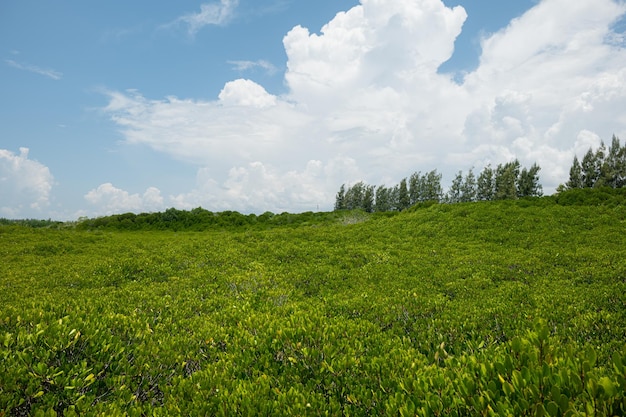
[110,106]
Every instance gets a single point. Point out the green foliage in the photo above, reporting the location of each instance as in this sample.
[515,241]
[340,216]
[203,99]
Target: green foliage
[31,223]
[575,175]
[602,168]
[200,219]
[340,199]
[514,307]
[592,197]
[506,182]
[528,182]
[456,189]
[485,185]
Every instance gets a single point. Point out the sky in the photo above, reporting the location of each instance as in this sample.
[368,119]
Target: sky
[270,105]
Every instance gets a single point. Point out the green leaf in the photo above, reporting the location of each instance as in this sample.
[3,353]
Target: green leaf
[552,408]
[590,356]
[610,389]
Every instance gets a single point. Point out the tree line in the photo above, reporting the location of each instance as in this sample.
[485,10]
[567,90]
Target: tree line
[506,181]
[602,168]
[199,219]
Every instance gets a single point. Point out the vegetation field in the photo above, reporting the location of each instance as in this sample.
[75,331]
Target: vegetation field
[493,308]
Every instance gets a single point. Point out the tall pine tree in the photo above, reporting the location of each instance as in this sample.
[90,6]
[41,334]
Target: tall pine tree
[404,201]
[528,182]
[455,191]
[340,198]
[506,180]
[588,166]
[485,186]
[468,191]
[575,175]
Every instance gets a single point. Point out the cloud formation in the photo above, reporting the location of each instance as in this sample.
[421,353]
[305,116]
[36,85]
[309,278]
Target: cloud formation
[266,66]
[210,14]
[46,72]
[25,185]
[365,101]
[108,199]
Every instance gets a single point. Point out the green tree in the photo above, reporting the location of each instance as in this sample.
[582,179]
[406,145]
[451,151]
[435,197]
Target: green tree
[382,202]
[355,196]
[485,186]
[394,198]
[432,187]
[506,180]
[455,191]
[589,172]
[340,198]
[468,190]
[528,182]
[601,167]
[620,165]
[575,175]
[613,170]
[404,201]
[416,185]
[368,198]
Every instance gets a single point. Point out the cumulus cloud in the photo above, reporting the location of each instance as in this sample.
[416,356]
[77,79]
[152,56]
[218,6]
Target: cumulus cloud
[108,199]
[25,185]
[259,187]
[246,93]
[210,14]
[366,92]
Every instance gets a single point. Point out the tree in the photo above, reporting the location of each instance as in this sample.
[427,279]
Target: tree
[432,187]
[506,180]
[340,198]
[468,190]
[404,201]
[588,166]
[620,165]
[368,198]
[415,187]
[612,172]
[394,198]
[354,196]
[602,168]
[485,186]
[455,191]
[382,199]
[575,175]
[528,182]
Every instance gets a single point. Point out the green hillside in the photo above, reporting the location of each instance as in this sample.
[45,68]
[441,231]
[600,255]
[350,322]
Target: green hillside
[494,308]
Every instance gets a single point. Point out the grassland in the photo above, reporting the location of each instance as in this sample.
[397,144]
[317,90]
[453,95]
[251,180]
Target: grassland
[496,308]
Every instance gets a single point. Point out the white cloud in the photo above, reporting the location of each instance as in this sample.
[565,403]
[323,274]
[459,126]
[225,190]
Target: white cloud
[25,185]
[246,93]
[210,14]
[241,66]
[258,187]
[46,72]
[365,94]
[109,199]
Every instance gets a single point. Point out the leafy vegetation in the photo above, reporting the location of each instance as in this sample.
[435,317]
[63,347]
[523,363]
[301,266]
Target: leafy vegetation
[602,168]
[513,307]
[30,222]
[507,182]
[200,219]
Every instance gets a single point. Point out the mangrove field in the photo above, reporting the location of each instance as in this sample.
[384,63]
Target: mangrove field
[508,308]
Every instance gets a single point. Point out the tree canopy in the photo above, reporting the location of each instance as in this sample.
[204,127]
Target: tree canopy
[600,168]
[506,181]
